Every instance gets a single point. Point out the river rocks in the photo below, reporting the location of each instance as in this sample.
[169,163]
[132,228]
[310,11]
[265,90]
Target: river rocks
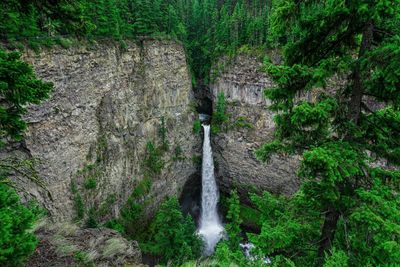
[250,125]
[107,104]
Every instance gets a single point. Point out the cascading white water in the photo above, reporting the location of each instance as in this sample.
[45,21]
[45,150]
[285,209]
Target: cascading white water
[210,227]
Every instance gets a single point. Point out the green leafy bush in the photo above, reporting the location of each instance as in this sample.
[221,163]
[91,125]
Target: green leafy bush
[131,219]
[79,206]
[219,117]
[142,188]
[153,161]
[234,221]
[197,160]
[90,183]
[16,242]
[173,236]
[197,126]
[242,122]
[178,154]
[115,225]
[226,257]
[336,259]
[91,221]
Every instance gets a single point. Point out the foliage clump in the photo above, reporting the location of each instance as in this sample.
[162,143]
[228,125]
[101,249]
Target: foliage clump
[90,183]
[197,126]
[173,235]
[345,198]
[132,211]
[219,117]
[234,220]
[16,242]
[18,88]
[178,154]
[153,161]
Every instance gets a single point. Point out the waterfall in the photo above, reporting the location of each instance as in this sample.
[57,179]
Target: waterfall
[210,227]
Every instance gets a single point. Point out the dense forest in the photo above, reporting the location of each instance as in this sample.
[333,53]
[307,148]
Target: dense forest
[347,210]
[208,29]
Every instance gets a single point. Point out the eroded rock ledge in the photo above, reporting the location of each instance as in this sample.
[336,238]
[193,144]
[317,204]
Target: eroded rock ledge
[107,104]
[251,124]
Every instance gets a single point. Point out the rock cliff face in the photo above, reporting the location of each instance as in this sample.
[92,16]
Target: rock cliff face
[250,125]
[91,135]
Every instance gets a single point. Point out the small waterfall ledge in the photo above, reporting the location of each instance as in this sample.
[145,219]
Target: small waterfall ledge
[210,226]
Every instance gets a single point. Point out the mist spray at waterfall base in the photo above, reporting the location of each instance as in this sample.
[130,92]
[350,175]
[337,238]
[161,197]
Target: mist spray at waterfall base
[210,226]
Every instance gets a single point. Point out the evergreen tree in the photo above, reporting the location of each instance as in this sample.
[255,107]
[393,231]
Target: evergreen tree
[338,131]
[16,243]
[233,217]
[18,87]
[174,239]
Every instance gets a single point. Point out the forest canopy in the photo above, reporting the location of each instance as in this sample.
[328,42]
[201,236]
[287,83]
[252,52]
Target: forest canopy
[207,28]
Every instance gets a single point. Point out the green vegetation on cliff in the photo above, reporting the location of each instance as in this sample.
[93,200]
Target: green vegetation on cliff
[18,88]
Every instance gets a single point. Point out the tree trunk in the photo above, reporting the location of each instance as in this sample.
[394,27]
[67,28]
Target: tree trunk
[357,90]
[327,233]
[332,215]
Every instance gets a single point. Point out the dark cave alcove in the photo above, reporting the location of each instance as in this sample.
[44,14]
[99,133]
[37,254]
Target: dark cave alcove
[190,198]
[203,96]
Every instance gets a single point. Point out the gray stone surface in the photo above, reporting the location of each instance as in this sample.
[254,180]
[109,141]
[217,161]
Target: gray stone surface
[243,82]
[106,105]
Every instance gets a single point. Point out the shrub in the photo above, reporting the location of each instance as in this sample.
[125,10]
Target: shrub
[91,221]
[197,126]
[225,257]
[219,117]
[79,206]
[174,239]
[234,219]
[243,122]
[16,243]
[90,183]
[142,188]
[178,154]
[153,161]
[131,210]
[337,258]
[197,160]
[115,225]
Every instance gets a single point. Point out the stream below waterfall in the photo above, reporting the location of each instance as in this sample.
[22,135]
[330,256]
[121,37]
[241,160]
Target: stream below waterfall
[210,226]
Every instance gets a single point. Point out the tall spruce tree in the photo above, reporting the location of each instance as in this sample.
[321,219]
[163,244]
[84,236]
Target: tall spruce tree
[18,88]
[342,133]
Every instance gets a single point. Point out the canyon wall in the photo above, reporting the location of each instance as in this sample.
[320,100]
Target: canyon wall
[250,125]
[90,137]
